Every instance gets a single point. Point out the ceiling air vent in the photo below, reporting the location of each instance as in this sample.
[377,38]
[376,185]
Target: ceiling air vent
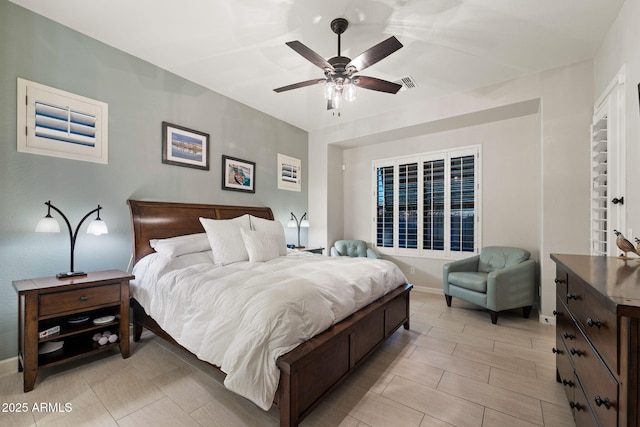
[407,83]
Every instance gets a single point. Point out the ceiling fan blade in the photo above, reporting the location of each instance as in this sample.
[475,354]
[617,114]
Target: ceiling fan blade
[300,84]
[375,54]
[373,83]
[310,55]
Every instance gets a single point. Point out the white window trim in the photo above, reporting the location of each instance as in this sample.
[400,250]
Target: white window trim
[28,142]
[446,254]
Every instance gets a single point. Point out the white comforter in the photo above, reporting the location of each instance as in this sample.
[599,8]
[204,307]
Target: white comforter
[243,316]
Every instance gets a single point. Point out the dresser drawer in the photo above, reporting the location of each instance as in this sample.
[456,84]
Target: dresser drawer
[600,387]
[581,411]
[78,299]
[565,372]
[598,323]
[566,329]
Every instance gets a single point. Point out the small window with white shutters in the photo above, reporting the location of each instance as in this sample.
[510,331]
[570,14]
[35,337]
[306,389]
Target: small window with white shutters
[56,123]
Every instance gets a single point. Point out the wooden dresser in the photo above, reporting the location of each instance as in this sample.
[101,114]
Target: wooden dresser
[598,338]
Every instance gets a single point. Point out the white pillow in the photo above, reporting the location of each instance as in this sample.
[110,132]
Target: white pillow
[273,228]
[181,245]
[260,246]
[225,239]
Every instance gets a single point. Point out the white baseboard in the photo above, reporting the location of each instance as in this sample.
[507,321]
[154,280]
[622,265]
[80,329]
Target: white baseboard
[547,320]
[8,366]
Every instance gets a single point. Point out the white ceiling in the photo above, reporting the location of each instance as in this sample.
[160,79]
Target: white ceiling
[237,47]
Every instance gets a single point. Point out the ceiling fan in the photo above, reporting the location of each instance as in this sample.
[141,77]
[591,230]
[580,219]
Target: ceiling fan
[340,79]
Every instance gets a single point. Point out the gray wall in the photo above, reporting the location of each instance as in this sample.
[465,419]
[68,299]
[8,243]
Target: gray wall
[140,97]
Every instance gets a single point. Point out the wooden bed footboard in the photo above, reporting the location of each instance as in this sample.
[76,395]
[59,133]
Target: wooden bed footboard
[312,370]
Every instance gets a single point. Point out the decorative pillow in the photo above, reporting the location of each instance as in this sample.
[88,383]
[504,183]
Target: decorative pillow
[273,228]
[225,238]
[181,245]
[260,246]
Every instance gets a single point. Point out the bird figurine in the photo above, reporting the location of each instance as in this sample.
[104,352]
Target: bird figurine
[637,244]
[624,245]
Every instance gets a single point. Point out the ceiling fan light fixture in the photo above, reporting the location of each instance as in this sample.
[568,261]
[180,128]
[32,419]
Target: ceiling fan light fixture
[329,89]
[339,79]
[336,101]
[350,91]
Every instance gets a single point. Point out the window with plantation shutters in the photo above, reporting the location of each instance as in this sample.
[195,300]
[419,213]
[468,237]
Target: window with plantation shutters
[428,204]
[56,123]
[289,173]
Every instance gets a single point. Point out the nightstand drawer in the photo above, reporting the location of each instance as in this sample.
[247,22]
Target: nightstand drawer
[78,299]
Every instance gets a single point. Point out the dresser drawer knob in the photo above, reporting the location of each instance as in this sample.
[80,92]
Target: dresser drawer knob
[555,312]
[576,406]
[84,298]
[576,352]
[569,336]
[593,323]
[558,281]
[556,350]
[572,296]
[568,383]
[600,402]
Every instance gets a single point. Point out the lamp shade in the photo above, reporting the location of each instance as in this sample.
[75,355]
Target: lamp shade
[48,224]
[97,227]
[292,223]
[304,223]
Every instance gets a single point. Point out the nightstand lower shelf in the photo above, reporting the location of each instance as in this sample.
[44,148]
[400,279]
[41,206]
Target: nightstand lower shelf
[76,351]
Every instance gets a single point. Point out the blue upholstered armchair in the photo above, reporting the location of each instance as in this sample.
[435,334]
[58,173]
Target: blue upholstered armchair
[500,278]
[352,248]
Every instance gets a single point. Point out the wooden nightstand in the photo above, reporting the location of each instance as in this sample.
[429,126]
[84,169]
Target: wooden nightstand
[49,302]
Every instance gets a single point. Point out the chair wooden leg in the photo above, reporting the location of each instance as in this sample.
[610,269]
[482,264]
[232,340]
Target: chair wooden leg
[526,311]
[448,298]
[494,317]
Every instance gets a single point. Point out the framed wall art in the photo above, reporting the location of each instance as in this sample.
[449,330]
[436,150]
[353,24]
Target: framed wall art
[184,147]
[238,175]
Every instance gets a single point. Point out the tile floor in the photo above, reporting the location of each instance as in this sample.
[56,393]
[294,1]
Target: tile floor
[453,368]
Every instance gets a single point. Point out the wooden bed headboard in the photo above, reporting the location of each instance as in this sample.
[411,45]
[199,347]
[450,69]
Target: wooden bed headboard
[161,220]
